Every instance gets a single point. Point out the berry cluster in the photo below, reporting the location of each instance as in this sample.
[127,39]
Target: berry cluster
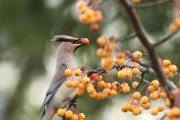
[90,16]
[69,115]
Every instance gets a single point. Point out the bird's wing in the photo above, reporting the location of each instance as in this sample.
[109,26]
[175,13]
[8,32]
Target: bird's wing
[57,81]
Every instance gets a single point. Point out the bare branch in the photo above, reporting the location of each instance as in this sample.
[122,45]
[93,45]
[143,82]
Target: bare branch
[164,39]
[150,4]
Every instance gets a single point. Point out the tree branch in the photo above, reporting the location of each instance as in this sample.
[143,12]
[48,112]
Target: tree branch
[146,43]
[164,39]
[150,4]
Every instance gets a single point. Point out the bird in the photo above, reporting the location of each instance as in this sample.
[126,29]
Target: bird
[58,91]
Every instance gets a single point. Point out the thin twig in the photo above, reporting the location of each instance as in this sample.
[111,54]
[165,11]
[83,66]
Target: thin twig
[127,38]
[150,4]
[164,39]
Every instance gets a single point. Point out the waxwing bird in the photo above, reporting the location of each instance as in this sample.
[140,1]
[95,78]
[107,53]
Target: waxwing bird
[57,91]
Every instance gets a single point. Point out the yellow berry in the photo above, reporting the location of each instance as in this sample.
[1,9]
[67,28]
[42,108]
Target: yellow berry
[136,95]
[166,63]
[75,84]
[121,74]
[82,86]
[144,100]
[101,53]
[154,95]
[80,92]
[61,112]
[77,72]
[150,88]
[128,74]
[135,71]
[173,28]
[160,107]
[155,83]
[163,95]
[101,41]
[113,93]
[146,105]
[98,77]
[68,72]
[120,61]
[137,55]
[135,84]
[154,111]
[120,55]
[68,114]
[69,83]
[173,68]
[81,116]
[126,89]
[90,90]
[123,108]
[136,111]
[75,117]
[86,80]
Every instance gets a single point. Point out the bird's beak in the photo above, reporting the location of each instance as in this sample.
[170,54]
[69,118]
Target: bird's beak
[73,40]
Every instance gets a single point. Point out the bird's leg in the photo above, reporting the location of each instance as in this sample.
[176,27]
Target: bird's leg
[73,102]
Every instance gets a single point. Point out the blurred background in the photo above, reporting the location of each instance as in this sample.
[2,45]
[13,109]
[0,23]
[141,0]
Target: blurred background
[27,57]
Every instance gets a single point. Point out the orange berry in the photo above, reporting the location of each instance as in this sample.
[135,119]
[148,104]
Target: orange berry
[86,80]
[126,89]
[154,95]
[94,27]
[123,108]
[135,84]
[136,111]
[173,68]
[128,74]
[173,28]
[68,114]
[101,41]
[80,92]
[160,107]
[168,103]
[77,72]
[136,1]
[75,84]
[150,88]
[135,71]
[98,16]
[101,53]
[154,111]
[84,41]
[69,83]
[166,71]
[121,74]
[84,18]
[170,75]
[82,86]
[137,55]
[81,116]
[177,22]
[113,93]
[75,117]
[144,100]
[108,85]
[90,90]
[155,83]
[146,105]
[94,95]
[68,72]
[120,55]
[98,77]
[163,95]
[136,95]
[133,102]
[120,61]
[166,63]
[61,112]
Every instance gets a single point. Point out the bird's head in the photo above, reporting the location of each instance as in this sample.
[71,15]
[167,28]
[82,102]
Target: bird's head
[70,44]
